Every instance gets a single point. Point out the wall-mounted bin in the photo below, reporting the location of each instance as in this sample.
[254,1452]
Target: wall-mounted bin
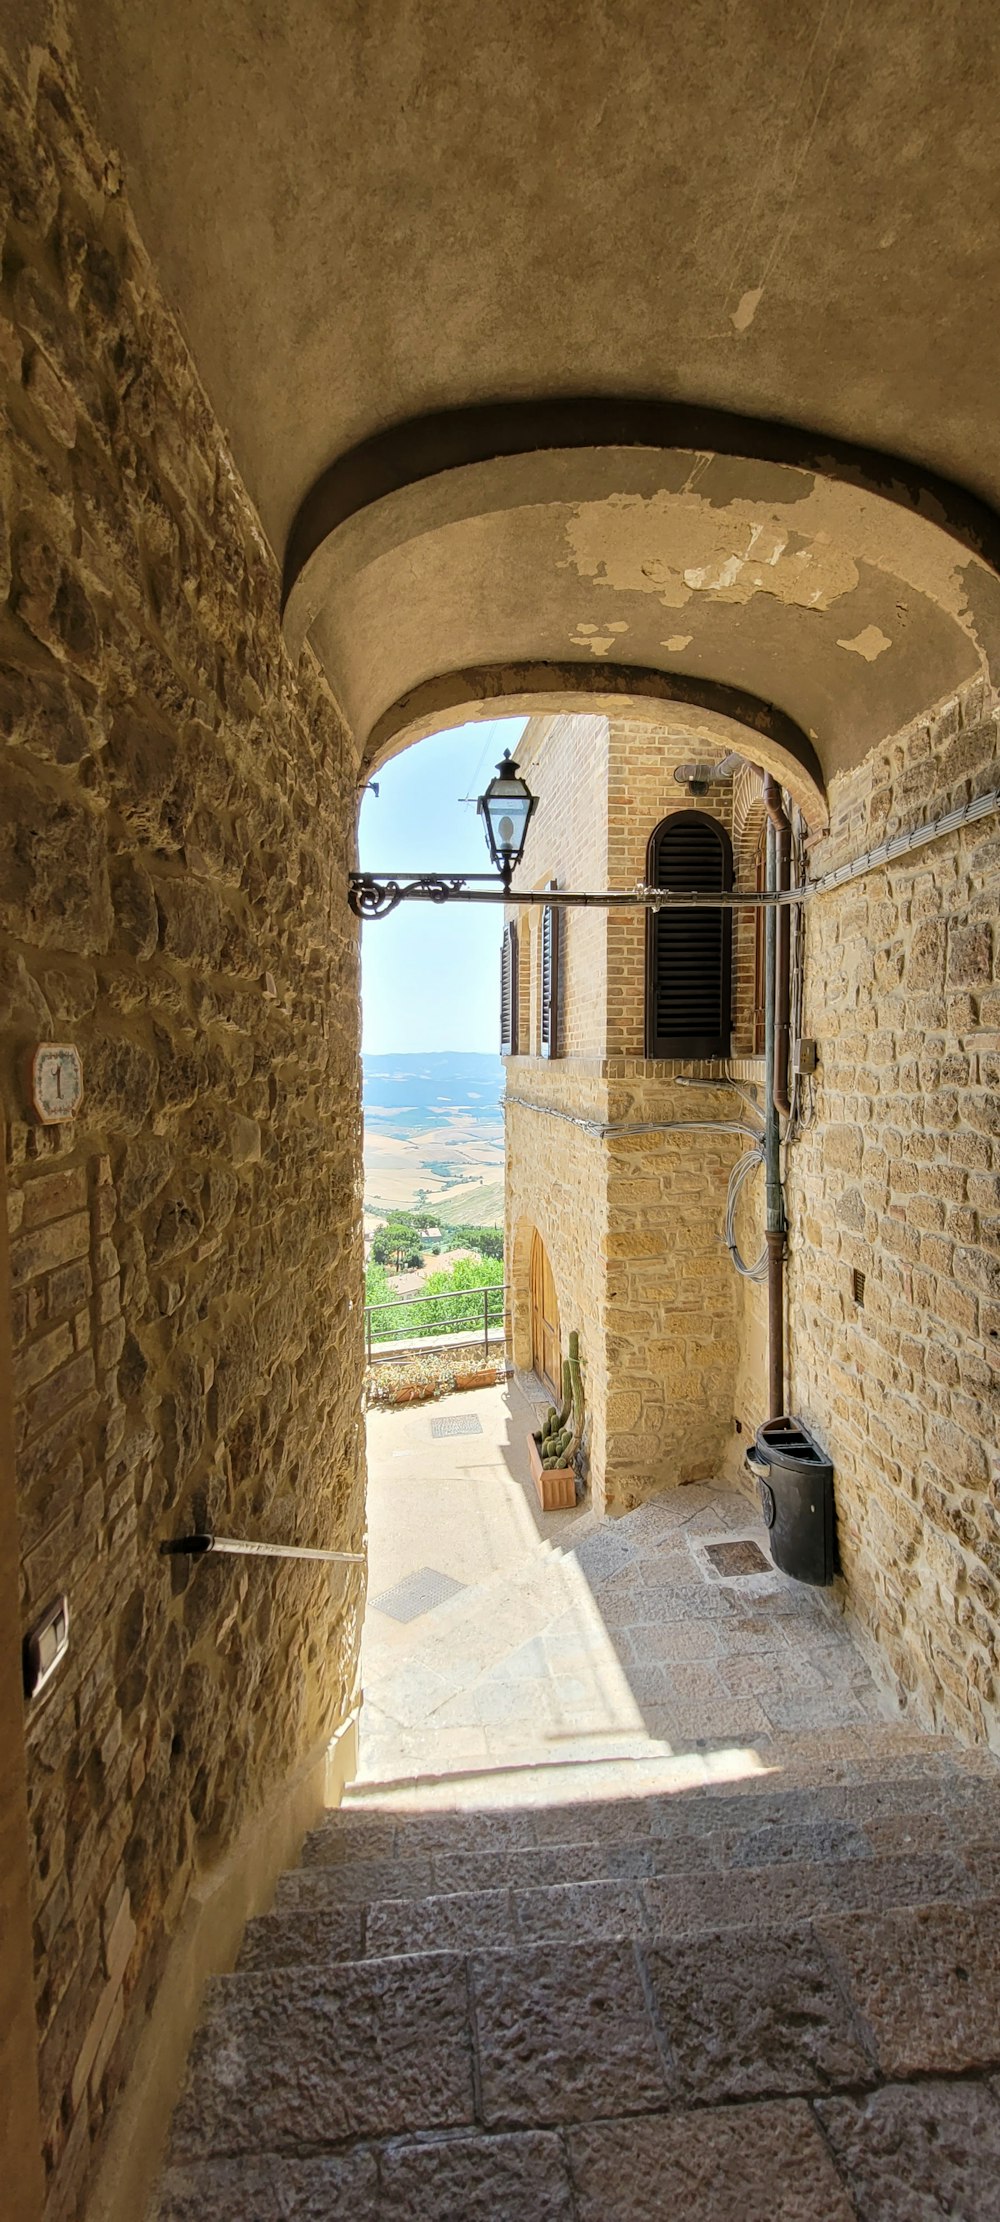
[795,1479]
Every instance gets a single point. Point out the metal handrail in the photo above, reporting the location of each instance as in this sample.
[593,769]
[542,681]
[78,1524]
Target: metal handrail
[451,1296]
[196,1546]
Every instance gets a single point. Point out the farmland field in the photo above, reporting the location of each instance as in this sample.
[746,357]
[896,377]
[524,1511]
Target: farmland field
[434,1135]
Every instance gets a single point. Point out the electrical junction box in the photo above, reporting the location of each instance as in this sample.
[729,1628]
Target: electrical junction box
[804,1057]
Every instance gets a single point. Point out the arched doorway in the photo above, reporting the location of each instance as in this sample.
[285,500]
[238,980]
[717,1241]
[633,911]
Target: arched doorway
[546,1353]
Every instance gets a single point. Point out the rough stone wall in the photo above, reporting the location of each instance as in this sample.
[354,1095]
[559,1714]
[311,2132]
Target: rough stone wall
[178,809]
[898,1178]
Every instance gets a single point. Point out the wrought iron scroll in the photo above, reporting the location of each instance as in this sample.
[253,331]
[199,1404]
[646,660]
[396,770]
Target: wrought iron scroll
[373,898]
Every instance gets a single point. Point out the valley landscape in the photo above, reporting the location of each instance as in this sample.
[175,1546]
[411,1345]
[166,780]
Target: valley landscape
[434,1137]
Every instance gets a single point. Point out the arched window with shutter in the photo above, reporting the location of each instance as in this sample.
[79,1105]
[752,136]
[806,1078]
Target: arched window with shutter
[508,991]
[689,953]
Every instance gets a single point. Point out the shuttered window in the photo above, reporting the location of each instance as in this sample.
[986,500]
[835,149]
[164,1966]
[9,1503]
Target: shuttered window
[689,952]
[550,984]
[508,992]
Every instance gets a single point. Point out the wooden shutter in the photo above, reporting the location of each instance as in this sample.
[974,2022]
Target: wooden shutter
[550,986]
[689,958]
[508,992]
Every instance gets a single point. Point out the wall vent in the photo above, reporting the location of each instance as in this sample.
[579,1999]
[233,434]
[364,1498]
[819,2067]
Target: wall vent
[858,1286]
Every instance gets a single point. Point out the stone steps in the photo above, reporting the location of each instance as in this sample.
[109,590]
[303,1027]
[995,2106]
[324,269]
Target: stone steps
[385,1856]
[728,2000]
[312,1930]
[875,1752]
[325,2090]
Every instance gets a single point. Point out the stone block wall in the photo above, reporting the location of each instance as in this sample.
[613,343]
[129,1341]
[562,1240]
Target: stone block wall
[633,1224]
[178,813]
[672,1295]
[898,1179]
[555,1183]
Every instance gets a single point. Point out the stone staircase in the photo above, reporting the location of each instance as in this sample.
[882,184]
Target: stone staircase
[774,2000]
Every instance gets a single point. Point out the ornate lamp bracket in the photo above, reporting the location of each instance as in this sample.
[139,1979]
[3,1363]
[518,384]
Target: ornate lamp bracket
[374,898]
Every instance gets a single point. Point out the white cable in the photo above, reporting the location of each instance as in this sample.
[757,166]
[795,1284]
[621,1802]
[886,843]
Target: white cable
[656,1126]
[741,1171]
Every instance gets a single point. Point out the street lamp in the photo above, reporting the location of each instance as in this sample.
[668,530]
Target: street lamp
[505,809]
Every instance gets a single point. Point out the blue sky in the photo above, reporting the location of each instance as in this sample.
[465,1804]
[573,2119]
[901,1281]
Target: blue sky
[430,976]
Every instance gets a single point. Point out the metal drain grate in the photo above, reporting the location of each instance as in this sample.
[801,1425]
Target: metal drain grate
[459,1426]
[738,1558]
[419,1593]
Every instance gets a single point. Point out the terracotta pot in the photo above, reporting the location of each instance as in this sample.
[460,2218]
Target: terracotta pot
[555,1485]
[486,1379]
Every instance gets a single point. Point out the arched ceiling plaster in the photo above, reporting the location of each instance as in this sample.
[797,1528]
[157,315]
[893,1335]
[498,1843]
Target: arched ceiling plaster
[715,720]
[835,586]
[370,214]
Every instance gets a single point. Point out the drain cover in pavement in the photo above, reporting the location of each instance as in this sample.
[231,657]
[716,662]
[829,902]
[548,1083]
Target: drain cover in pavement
[468,1425]
[738,1558]
[418,1593]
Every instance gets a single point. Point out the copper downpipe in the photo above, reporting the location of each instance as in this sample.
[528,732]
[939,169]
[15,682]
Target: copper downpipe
[776,1098]
[783,945]
[775,1239]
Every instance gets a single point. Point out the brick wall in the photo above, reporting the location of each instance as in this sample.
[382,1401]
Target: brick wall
[565,762]
[642,791]
[177,817]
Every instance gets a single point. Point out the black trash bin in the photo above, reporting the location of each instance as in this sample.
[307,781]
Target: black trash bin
[795,1479]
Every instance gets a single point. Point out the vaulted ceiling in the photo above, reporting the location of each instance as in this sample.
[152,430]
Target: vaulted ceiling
[546,335]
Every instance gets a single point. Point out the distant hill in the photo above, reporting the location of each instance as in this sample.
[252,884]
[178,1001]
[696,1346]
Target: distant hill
[407,1092]
[434,1135]
[476,1207]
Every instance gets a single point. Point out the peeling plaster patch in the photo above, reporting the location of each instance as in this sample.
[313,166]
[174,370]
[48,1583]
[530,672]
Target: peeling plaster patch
[743,316]
[869,643]
[674,545]
[677,641]
[600,644]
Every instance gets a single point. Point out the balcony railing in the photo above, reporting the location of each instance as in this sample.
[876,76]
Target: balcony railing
[474,1310]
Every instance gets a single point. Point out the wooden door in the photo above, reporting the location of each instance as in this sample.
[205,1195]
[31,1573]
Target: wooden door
[546,1356]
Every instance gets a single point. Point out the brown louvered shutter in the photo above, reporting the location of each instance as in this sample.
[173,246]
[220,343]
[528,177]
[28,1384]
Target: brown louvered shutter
[551,986]
[508,992]
[689,952]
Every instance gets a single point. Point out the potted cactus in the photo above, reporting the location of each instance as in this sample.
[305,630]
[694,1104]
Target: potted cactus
[553,1448]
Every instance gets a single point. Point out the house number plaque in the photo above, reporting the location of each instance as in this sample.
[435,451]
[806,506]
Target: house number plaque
[56,1079]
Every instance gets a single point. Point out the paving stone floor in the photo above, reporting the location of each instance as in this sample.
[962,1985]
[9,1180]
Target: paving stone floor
[570,1642]
[646,1907]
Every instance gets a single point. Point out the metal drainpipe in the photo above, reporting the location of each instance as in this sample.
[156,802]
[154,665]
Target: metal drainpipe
[775,1220]
[783,971]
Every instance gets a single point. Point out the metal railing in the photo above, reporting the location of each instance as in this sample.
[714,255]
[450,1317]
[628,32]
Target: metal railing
[489,1312]
[231,1546]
